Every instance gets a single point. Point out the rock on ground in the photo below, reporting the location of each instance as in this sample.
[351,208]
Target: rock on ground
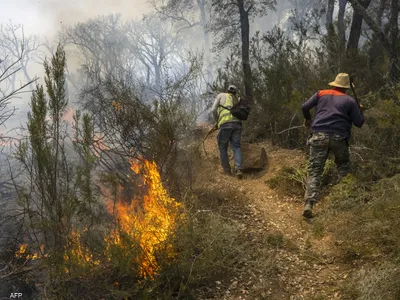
[254,158]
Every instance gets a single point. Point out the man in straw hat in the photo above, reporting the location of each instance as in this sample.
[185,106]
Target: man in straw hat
[335,112]
[230,130]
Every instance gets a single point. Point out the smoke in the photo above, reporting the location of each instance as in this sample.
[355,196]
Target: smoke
[61,12]
[46,17]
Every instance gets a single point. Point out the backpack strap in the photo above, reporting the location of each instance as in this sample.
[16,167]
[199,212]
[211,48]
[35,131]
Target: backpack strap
[227,108]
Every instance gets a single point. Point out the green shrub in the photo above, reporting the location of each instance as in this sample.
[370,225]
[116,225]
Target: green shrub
[347,194]
[293,180]
[211,248]
[374,216]
[289,180]
[376,148]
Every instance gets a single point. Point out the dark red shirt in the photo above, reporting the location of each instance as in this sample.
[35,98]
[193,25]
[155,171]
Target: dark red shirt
[335,112]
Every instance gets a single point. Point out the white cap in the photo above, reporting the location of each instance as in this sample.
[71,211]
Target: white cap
[232,88]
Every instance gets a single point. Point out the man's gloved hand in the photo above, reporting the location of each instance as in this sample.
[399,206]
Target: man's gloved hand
[362,107]
[307,124]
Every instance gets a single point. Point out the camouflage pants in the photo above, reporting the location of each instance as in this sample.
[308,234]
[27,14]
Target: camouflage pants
[321,144]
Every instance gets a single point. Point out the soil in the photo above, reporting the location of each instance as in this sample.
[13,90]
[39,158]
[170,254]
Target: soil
[306,264]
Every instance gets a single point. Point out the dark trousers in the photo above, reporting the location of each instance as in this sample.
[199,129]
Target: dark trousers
[230,133]
[321,144]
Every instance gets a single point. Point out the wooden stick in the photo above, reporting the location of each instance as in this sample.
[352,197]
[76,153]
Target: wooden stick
[352,88]
[295,127]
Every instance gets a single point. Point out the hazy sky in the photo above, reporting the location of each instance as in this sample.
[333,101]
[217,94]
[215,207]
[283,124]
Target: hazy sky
[44,17]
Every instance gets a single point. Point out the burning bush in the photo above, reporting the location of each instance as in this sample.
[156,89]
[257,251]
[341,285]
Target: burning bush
[129,238]
[63,207]
[149,222]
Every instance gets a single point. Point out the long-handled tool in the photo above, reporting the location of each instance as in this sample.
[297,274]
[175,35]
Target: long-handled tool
[207,135]
[353,89]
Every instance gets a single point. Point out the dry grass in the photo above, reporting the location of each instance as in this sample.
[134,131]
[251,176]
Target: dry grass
[375,283]
[365,221]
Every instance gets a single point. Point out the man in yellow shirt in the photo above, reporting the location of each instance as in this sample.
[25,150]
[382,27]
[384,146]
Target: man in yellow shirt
[230,130]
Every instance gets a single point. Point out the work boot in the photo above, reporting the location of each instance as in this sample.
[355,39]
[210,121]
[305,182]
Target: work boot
[227,172]
[307,213]
[239,174]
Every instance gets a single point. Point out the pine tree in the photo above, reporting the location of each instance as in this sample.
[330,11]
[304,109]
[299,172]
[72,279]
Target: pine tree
[59,190]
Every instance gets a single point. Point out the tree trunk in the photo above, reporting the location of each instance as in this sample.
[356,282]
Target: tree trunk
[371,23]
[207,46]
[381,10]
[355,32]
[356,26]
[245,31]
[329,14]
[341,24]
[157,73]
[148,76]
[389,45]
[28,78]
[376,47]
[394,32]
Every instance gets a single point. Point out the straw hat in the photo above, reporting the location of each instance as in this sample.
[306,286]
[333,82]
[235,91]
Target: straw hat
[342,81]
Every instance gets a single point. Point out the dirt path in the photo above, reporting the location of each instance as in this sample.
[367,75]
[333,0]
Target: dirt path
[306,262]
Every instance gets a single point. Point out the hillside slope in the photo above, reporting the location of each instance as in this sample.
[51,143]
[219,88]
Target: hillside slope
[305,265]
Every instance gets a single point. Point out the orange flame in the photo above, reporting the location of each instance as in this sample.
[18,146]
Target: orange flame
[79,253]
[151,227]
[22,252]
[117,105]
